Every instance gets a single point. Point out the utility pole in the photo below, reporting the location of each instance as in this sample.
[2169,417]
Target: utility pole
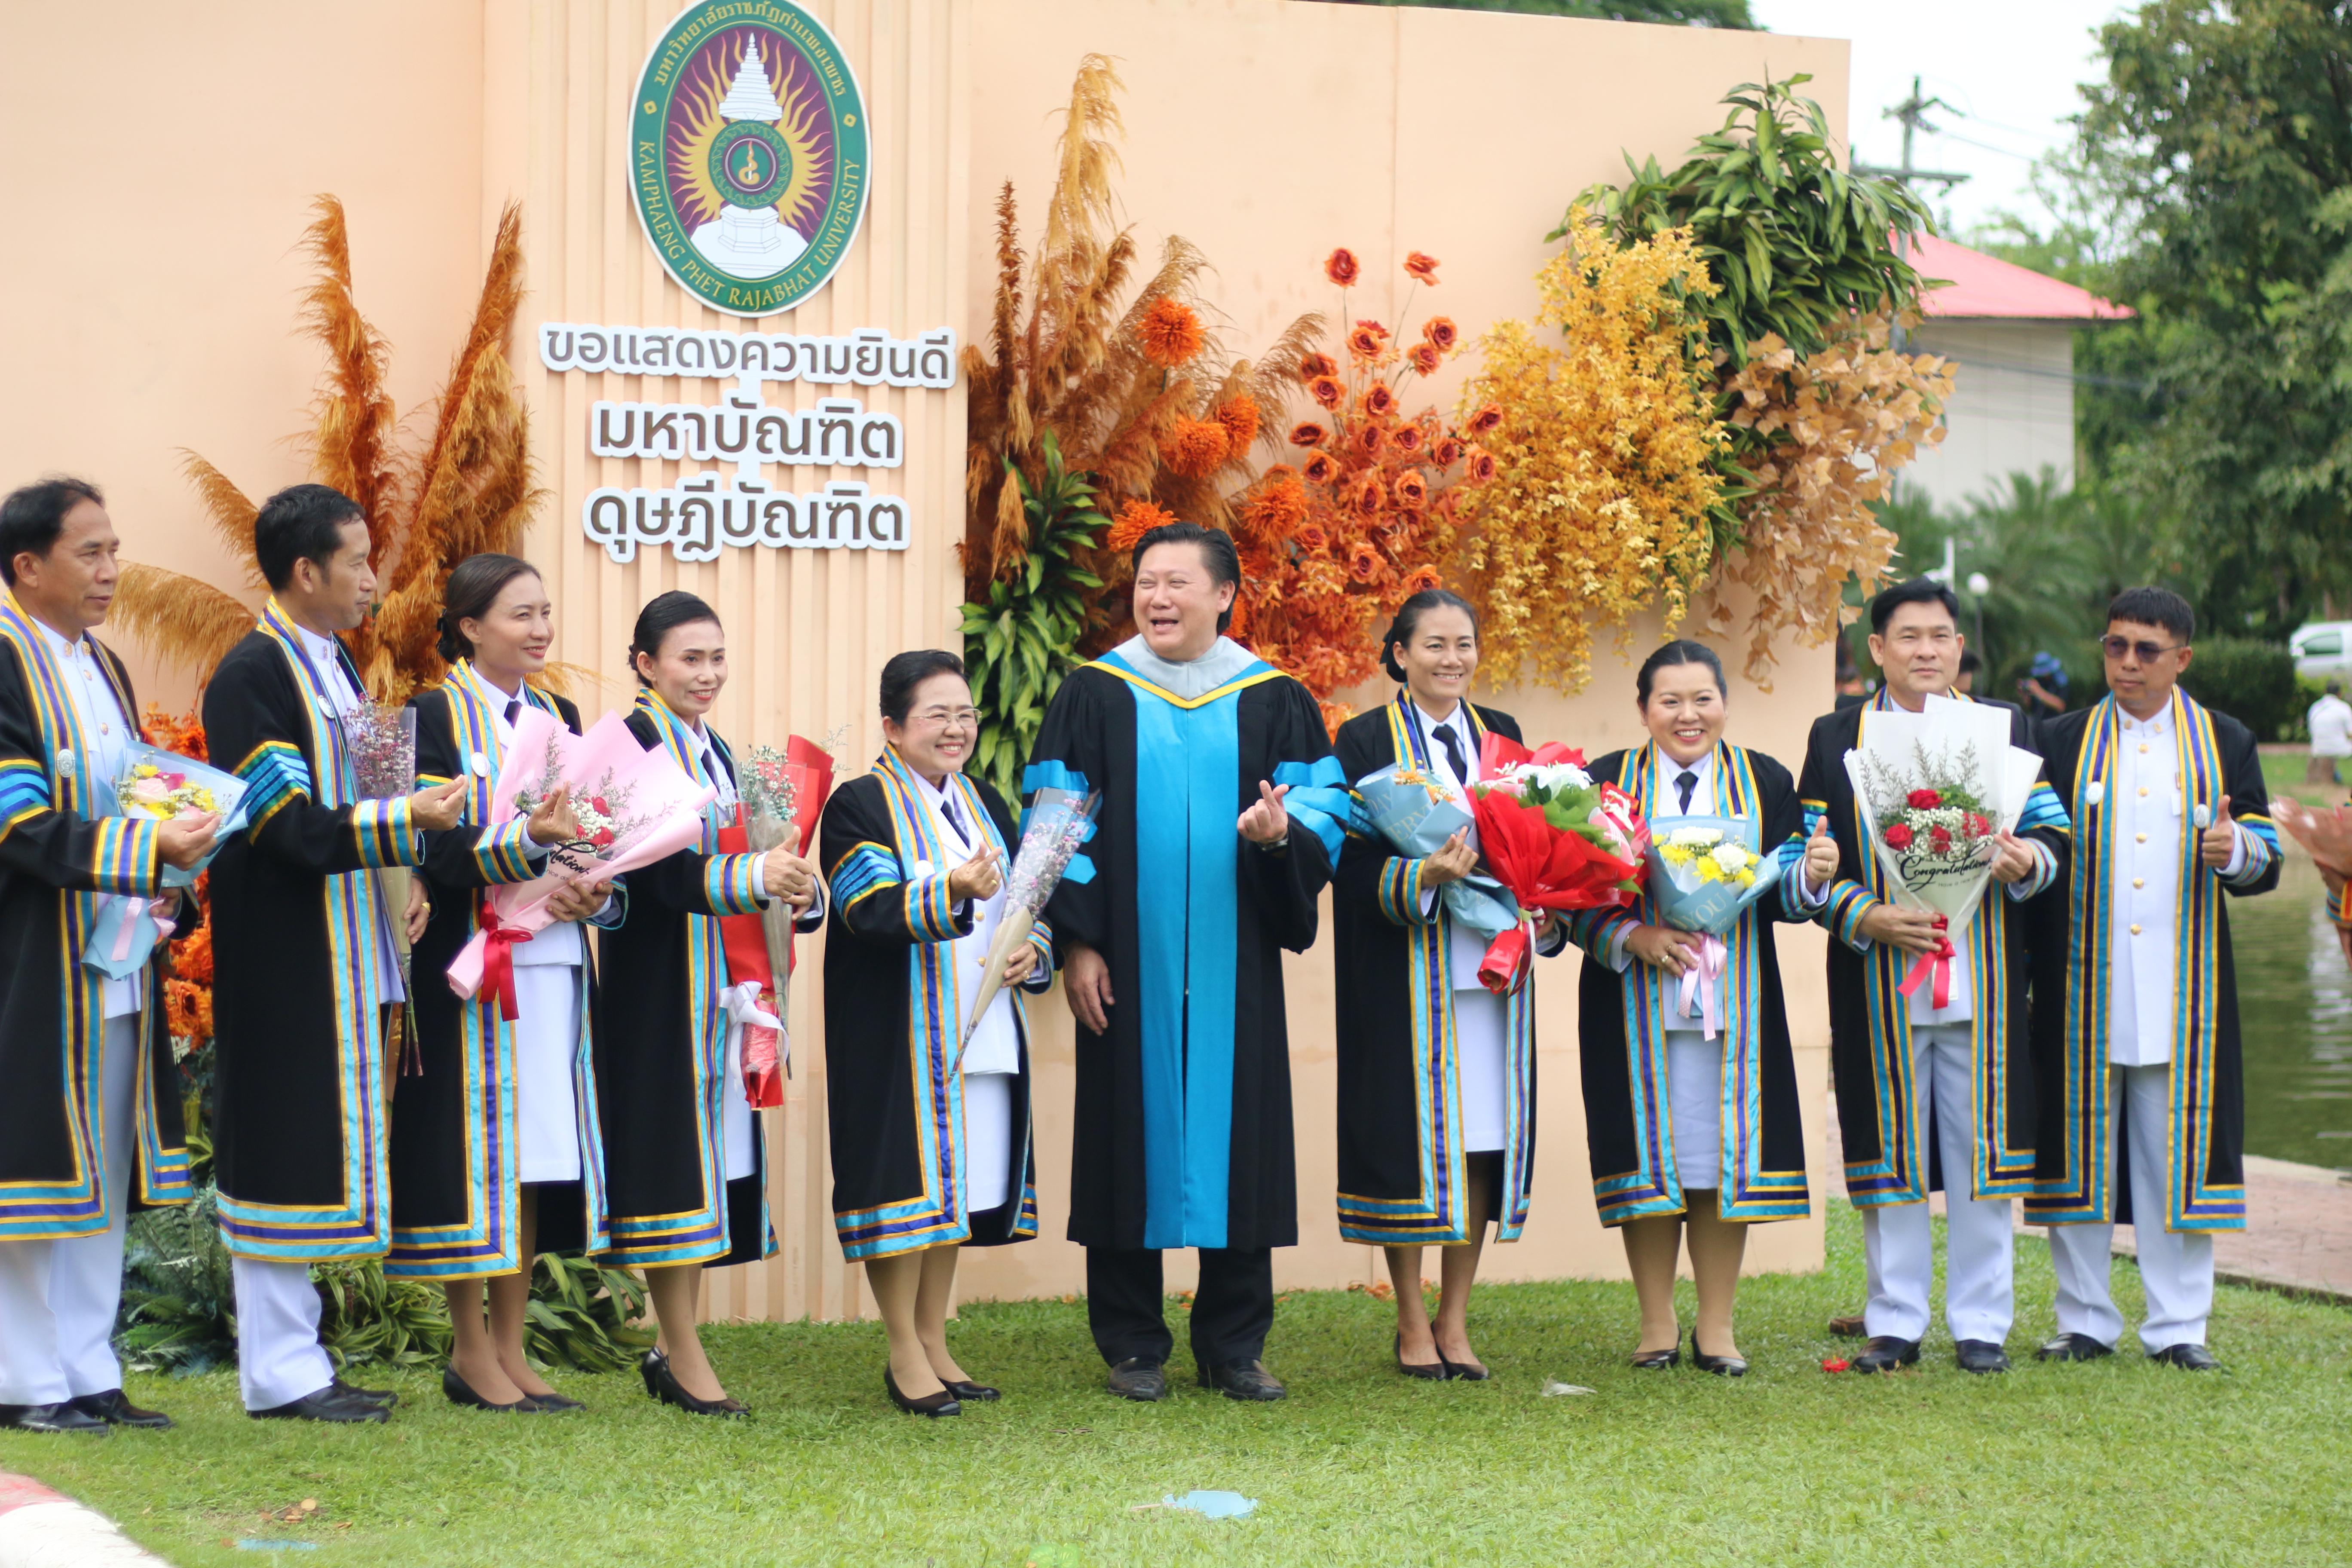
[1912,113]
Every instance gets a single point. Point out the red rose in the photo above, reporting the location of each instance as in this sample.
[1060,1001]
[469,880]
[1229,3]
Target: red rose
[1898,837]
[1939,839]
[596,803]
[1340,267]
[1924,800]
[602,838]
[1307,433]
[1975,827]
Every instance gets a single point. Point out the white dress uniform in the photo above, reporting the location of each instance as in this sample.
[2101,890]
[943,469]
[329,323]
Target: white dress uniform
[2175,1267]
[994,1054]
[58,1299]
[1481,1018]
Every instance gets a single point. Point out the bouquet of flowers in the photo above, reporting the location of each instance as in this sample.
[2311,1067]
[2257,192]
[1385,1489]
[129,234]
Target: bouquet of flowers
[1058,821]
[1416,811]
[784,795]
[1937,788]
[1555,839]
[1704,873]
[382,739]
[635,806]
[159,785]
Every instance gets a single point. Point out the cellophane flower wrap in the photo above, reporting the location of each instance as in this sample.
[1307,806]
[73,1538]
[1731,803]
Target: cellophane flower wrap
[1704,873]
[783,793]
[1415,811]
[635,806]
[1937,788]
[159,785]
[1056,825]
[1555,838]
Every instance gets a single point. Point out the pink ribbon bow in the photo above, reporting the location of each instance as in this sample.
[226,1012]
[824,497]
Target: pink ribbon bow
[133,908]
[1935,964]
[1701,978]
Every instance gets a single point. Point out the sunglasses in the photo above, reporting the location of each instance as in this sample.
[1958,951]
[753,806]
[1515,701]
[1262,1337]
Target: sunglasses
[2149,652]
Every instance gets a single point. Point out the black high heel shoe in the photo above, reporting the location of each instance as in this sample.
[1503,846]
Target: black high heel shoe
[1721,1365]
[944,1403]
[975,1393]
[1661,1361]
[1437,1372]
[1467,1370]
[663,1384]
[461,1393]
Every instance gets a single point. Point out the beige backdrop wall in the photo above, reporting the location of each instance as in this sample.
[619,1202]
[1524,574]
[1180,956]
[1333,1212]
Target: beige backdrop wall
[1264,130]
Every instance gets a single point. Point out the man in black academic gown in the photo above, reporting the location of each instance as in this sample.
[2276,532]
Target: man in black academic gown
[89,1102]
[1221,816]
[303,959]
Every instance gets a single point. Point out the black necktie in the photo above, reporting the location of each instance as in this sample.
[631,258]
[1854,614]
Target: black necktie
[1452,744]
[513,708]
[1686,782]
[947,810]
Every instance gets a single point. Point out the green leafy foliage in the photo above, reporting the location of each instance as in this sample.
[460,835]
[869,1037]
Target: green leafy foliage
[179,1301]
[584,1316]
[1021,642]
[2253,682]
[368,1318]
[1797,243]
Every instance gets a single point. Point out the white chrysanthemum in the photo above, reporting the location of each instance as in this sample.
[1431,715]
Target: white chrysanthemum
[1696,837]
[1733,857]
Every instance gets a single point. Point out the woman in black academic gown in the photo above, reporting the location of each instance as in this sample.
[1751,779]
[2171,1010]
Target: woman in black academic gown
[494,1146]
[682,1148]
[931,1150]
[1693,1136]
[1437,1088]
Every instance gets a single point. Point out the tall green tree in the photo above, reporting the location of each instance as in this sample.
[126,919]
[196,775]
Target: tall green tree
[2226,128]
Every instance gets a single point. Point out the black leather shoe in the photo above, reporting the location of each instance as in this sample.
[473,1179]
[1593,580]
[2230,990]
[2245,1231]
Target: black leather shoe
[1721,1365]
[1979,1356]
[1847,1328]
[1666,1360]
[2188,1358]
[978,1393]
[553,1403]
[1436,1371]
[1467,1370]
[1245,1380]
[1885,1352]
[944,1403]
[59,1418]
[460,1393]
[2073,1347]
[663,1386]
[328,1404]
[114,1409]
[1140,1379]
[383,1397]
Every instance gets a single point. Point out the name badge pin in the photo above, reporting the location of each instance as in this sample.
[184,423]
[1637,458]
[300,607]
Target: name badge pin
[481,763]
[324,706]
[66,765]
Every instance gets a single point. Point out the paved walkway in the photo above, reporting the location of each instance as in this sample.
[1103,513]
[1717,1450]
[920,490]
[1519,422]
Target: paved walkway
[2298,1234]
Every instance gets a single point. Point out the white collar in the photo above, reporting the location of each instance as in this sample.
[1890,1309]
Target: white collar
[936,792]
[57,640]
[1225,659]
[325,652]
[1456,720]
[2160,725]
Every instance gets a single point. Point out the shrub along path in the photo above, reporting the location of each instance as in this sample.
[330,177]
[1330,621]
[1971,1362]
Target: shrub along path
[2112,1461]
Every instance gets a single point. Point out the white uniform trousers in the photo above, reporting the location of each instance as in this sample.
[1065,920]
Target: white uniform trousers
[57,1299]
[1898,1240]
[987,1140]
[278,1357]
[2175,1267]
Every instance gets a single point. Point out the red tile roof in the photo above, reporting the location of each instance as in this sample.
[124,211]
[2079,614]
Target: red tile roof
[1981,285]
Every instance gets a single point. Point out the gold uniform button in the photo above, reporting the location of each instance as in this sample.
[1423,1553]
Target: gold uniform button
[2135,930]
[2138,882]
[2143,789]
[2141,838]
[2143,745]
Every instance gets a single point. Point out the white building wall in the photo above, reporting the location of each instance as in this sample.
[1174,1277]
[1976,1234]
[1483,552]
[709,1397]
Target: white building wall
[2013,407]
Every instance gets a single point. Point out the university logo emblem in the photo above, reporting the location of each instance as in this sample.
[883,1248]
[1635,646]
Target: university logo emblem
[747,153]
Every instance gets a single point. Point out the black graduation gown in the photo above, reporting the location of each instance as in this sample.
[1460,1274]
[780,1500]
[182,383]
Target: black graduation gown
[2080,1175]
[1182,1134]
[54,862]
[893,1015]
[454,1131]
[1628,1117]
[1403,1170]
[661,1073]
[298,1138]
[1890,1155]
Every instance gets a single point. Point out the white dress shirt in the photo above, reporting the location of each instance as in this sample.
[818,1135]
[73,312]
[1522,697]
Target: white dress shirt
[559,942]
[2143,789]
[1669,803]
[1481,1018]
[106,737]
[327,668]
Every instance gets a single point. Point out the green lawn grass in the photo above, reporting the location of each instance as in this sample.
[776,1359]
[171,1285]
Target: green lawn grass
[2282,769]
[2119,1461]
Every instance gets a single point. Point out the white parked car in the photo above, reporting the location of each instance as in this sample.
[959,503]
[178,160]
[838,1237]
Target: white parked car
[2322,648]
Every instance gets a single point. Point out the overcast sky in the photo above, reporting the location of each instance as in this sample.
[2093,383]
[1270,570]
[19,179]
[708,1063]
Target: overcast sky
[2009,67]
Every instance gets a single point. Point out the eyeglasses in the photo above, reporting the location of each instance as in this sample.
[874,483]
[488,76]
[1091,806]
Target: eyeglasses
[2149,652]
[947,719]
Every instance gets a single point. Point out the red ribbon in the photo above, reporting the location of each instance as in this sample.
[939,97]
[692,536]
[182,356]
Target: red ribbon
[1505,964]
[497,961]
[1935,963]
